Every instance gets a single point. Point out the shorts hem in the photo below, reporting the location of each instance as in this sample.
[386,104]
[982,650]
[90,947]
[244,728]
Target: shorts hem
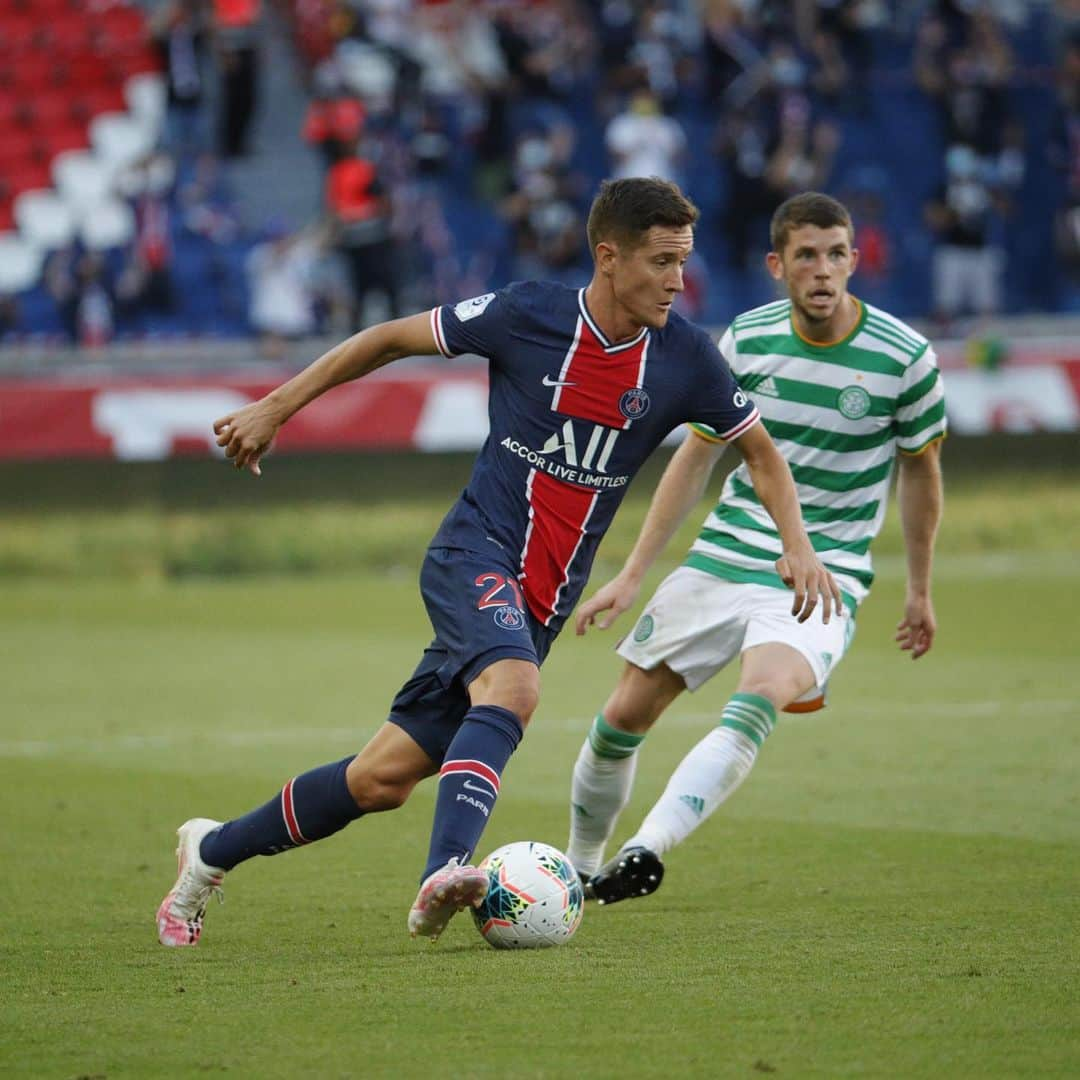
[479,664]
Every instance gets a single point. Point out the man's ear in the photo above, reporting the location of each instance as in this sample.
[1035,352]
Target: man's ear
[606,254]
[775,265]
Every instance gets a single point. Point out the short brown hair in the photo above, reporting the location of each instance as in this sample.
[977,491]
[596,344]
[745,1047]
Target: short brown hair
[809,208]
[624,210]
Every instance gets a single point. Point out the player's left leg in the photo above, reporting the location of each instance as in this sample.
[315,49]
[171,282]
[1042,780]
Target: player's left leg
[604,771]
[310,807]
[502,697]
[772,676]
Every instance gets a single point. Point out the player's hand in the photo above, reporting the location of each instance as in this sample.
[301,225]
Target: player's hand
[612,599]
[802,571]
[246,434]
[915,631]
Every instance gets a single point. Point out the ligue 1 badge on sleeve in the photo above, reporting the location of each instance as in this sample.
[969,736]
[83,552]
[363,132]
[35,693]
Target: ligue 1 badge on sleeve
[469,309]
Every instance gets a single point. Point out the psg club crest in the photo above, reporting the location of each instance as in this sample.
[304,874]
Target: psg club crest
[634,404]
[509,618]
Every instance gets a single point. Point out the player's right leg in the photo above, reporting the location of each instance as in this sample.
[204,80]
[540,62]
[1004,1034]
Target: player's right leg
[309,807]
[681,639]
[604,771]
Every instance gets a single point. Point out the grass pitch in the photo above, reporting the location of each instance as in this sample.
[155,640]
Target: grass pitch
[892,893]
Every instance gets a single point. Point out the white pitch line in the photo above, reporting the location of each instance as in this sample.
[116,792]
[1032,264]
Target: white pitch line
[950,709]
[111,744]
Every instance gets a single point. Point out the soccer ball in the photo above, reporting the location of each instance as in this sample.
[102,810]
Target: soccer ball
[534,897]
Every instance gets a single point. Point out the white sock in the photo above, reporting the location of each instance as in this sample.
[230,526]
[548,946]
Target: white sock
[603,778]
[708,774]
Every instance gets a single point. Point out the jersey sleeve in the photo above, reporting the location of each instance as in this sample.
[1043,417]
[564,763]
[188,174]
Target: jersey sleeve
[477,325]
[725,412]
[920,407]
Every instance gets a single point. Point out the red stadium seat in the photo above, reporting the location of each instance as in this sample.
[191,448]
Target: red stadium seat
[32,73]
[87,70]
[69,35]
[17,145]
[11,111]
[18,35]
[27,176]
[100,99]
[44,111]
[122,24]
[55,140]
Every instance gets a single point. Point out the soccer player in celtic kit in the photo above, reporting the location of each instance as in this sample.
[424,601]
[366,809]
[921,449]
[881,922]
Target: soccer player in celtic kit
[846,390]
[584,385]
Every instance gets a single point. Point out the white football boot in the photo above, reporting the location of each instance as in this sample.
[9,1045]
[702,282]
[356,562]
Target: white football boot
[180,916]
[443,895]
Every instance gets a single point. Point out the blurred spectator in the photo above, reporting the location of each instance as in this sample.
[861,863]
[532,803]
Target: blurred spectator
[803,157]
[642,141]
[79,284]
[179,34]
[361,215]
[207,205]
[236,33]
[281,275]
[967,79]
[1064,152]
[967,265]
[335,119]
[744,142]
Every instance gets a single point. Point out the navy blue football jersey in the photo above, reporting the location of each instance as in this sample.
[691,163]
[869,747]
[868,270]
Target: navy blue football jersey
[572,419]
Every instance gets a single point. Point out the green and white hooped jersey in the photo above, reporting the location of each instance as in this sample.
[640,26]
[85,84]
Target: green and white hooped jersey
[838,414]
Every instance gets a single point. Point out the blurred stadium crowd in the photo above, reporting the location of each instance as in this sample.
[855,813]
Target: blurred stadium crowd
[458,143]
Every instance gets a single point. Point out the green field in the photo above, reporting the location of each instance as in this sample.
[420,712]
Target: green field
[893,893]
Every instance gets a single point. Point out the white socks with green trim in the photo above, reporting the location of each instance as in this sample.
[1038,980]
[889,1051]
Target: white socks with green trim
[708,774]
[603,777]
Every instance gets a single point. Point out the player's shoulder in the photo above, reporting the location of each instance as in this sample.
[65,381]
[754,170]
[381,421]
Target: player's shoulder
[766,318]
[888,334]
[679,332]
[539,296]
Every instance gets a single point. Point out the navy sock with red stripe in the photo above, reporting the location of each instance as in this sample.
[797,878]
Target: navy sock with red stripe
[469,782]
[309,807]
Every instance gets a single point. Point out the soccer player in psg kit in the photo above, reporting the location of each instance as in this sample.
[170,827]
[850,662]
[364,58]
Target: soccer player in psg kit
[584,385]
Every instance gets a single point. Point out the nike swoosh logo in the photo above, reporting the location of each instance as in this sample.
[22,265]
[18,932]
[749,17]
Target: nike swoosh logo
[482,790]
[547,380]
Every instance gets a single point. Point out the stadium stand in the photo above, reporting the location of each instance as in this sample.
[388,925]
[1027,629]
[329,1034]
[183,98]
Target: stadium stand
[486,125]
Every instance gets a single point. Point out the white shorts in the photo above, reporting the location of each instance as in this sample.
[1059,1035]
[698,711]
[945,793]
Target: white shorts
[697,624]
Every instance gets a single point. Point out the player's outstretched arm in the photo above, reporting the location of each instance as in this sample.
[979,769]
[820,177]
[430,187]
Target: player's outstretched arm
[679,491]
[799,566]
[920,496]
[247,433]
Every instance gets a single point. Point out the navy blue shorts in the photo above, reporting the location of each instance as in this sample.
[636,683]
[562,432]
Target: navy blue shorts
[479,616]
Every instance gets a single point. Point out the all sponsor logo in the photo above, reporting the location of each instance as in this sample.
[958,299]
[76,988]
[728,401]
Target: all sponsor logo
[634,404]
[739,399]
[853,402]
[509,618]
[469,309]
[643,630]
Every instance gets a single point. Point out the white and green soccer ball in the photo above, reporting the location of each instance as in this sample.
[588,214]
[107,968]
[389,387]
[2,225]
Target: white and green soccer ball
[534,897]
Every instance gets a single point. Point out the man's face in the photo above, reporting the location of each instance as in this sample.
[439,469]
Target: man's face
[646,279]
[815,266]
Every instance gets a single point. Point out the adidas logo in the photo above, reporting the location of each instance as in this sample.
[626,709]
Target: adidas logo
[767,387]
[695,802]
[580,810]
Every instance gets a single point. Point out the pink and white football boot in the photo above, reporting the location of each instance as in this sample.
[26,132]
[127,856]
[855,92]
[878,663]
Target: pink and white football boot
[180,916]
[443,894]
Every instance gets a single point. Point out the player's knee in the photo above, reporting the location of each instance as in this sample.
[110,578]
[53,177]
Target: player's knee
[510,684]
[777,691]
[641,697]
